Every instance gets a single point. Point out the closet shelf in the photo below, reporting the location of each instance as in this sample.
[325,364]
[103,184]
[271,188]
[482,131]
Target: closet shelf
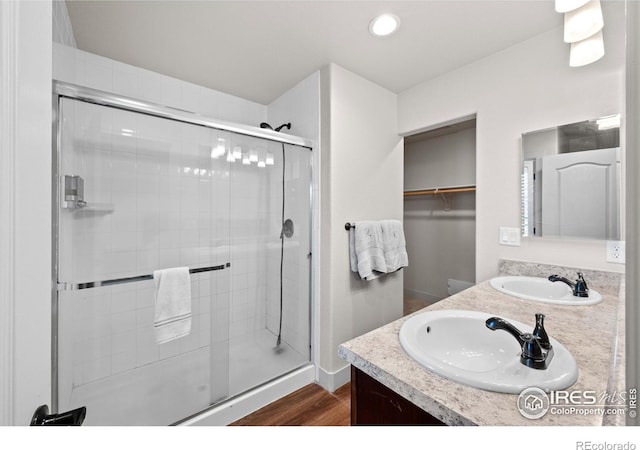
[445,190]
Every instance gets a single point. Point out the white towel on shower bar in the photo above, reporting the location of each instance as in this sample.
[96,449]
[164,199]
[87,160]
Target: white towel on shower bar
[173,303]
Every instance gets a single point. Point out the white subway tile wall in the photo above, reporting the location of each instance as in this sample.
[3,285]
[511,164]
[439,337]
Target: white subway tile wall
[62,31]
[86,69]
[155,199]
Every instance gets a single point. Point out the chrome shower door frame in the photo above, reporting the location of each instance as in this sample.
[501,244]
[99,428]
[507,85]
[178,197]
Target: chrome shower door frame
[62,90]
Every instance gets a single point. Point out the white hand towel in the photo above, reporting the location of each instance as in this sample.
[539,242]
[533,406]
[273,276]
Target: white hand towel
[173,303]
[367,251]
[394,244]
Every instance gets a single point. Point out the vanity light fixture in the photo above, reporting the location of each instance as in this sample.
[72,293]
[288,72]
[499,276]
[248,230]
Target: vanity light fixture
[583,22]
[384,25]
[608,122]
[563,6]
[586,51]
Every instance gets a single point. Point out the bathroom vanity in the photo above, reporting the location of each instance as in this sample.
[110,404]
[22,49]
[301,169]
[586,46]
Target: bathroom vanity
[389,387]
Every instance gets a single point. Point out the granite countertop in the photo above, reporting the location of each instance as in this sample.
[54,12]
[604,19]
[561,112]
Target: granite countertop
[593,335]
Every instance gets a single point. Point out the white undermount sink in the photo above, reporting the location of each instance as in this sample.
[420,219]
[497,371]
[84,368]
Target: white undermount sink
[542,290]
[457,345]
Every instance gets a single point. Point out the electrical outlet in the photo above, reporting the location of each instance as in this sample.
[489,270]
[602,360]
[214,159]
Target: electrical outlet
[615,252]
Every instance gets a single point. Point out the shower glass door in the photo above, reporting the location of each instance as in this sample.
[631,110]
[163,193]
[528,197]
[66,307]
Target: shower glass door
[270,261]
[152,198]
[138,193]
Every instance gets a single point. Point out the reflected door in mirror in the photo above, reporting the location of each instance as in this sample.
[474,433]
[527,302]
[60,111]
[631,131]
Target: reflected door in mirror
[580,194]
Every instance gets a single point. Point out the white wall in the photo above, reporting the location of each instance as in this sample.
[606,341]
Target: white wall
[362,174]
[25,222]
[526,87]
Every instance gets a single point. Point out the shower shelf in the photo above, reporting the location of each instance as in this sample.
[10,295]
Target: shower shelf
[95,207]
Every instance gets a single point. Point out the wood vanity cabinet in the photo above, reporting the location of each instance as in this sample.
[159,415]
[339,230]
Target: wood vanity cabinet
[372,403]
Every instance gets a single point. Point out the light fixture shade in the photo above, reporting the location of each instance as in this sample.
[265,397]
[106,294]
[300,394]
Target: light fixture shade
[384,25]
[608,122]
[583,22]
[563,6]
[587,51]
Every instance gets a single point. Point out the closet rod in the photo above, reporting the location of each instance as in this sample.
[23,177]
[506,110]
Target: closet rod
[451,190]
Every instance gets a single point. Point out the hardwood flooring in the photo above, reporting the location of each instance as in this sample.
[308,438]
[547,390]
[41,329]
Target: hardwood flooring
[411,305]
[308,406]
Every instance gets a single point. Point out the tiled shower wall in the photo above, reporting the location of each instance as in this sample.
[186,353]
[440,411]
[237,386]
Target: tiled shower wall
[93,71]
[62,31]
[155,199]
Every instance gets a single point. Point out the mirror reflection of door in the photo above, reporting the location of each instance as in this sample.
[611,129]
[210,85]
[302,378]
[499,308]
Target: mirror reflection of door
[580,194]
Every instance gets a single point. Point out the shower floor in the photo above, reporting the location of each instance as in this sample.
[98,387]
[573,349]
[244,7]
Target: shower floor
[170,390]
[256,360]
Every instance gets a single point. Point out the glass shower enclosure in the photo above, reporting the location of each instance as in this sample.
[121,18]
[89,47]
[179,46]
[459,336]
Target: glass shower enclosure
[140,188]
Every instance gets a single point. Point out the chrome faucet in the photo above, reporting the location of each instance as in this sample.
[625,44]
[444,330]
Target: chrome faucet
[579,288]
[537,351]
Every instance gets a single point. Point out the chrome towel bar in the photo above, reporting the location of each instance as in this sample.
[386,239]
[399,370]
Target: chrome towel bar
[105,283]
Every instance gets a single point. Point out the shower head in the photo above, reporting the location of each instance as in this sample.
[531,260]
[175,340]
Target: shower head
[284,125]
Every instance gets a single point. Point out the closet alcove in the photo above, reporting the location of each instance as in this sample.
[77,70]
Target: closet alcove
[439,213]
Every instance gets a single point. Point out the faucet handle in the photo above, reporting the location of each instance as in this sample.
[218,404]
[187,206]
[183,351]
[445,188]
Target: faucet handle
[581,289]
[532,348]
[541,333]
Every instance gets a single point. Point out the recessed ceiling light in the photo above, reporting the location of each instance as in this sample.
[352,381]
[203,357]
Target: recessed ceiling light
[384,25]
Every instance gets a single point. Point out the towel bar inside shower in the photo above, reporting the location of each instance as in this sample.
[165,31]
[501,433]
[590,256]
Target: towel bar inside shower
[105,283]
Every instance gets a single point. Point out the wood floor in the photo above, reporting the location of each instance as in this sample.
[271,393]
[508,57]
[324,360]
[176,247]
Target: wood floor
[309,406]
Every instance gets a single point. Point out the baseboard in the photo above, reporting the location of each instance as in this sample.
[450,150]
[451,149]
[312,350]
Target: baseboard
[330,381]
[421,295]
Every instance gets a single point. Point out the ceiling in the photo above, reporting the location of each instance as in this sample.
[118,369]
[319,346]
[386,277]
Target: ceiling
[259,49]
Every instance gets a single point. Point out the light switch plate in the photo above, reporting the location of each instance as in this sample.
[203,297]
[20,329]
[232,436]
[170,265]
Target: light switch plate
[509,236]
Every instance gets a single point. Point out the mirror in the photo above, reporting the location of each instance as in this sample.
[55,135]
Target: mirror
[571,180]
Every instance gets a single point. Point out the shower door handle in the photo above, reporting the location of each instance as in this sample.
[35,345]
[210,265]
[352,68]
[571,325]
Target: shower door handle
[75,417]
